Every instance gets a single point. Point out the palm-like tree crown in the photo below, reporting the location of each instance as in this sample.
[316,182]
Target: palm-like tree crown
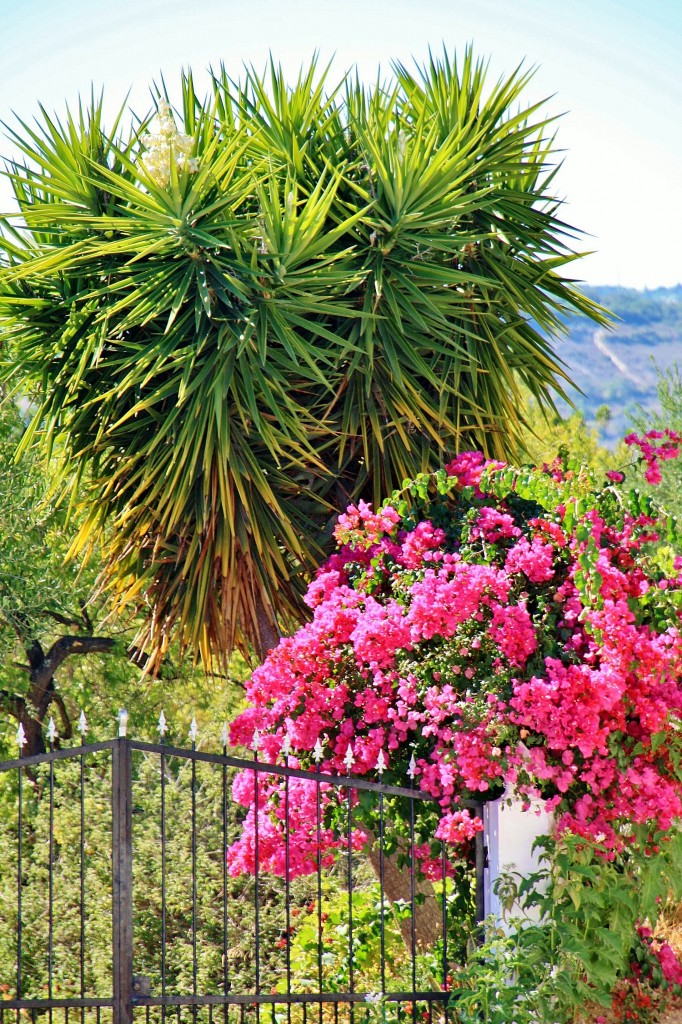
[239,317]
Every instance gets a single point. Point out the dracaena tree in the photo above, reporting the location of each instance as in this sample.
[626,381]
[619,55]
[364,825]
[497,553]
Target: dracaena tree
[241,314]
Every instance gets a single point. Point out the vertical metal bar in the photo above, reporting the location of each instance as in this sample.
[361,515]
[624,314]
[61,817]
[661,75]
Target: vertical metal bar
[19,876]
[351,973]
[82,882]
[382,923]
[163,881]
[413,908]
[287,892]
[256,894]
[122,880]
[444,871]
[226,967]
[194,881]
[318,812]
[50,885]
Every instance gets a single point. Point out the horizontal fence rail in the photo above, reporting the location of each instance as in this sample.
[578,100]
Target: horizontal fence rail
[138,880]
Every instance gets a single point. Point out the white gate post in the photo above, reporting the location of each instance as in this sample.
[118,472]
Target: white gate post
[509,833]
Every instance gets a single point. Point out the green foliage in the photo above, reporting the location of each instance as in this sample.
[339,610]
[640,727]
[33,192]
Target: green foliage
[669,391]
[373,931]
[45,596]
[577,939]
[549,435]
[299,297]
[34,582]
[367,928]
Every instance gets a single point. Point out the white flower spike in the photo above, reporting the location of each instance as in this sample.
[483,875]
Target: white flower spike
[165,147]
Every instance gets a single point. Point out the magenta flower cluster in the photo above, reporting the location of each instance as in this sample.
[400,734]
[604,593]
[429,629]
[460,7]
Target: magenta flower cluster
[652,453]
[670,966]
[503,630]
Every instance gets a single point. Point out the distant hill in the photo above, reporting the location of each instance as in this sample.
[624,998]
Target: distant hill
[617,368]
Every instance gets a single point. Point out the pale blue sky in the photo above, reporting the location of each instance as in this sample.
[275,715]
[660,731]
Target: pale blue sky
[613,65]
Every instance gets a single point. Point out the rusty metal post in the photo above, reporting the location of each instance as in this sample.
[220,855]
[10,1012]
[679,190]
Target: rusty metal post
[122,880]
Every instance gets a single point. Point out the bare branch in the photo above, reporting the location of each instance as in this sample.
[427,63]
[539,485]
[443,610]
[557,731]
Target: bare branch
[73,645]
[65,620]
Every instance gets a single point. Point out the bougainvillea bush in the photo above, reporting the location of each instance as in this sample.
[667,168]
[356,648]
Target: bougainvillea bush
[506,627]
[502,630]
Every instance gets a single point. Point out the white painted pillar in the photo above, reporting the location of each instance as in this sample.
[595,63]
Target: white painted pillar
[509,833]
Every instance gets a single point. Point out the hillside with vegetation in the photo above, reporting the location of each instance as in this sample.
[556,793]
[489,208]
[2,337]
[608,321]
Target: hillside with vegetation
[617,368]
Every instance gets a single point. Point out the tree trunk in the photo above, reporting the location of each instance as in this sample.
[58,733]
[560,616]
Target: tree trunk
[397,885]
[33,728]
[268,634]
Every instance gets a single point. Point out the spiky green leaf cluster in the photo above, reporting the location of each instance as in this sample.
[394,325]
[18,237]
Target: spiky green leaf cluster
[334,290]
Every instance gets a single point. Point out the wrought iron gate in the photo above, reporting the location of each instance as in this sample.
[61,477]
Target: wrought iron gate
[115,883]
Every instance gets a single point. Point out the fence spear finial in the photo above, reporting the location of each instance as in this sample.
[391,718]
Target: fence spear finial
[162,727]
[381,763]
[122,723]
[412,767]
[318,753]
[224,736]
[51,731]
[82,724]
[349,760]
[21,737]
[193,729]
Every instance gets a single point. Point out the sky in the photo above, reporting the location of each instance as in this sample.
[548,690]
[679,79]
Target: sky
[613,68]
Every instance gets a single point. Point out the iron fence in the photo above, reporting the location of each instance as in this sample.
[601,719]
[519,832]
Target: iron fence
[119,899]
